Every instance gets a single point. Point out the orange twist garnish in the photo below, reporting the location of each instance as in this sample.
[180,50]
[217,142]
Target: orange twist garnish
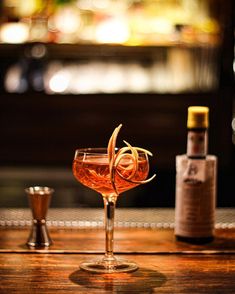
[116,158]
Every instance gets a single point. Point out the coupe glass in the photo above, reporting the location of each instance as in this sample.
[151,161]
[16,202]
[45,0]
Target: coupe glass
[91,168]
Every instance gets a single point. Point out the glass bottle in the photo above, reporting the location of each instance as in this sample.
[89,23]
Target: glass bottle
[196,174]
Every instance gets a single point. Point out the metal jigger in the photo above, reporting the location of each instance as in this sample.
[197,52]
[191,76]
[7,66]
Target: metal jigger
[39,200]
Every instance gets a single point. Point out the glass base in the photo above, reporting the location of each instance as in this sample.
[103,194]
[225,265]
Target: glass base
[105,265]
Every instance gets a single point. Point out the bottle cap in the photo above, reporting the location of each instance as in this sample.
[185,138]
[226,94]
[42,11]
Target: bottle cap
[198,117]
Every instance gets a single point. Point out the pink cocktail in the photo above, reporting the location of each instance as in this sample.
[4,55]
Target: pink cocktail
[111,171]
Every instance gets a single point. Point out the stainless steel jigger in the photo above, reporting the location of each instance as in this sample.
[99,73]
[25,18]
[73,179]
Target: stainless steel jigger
[39,200]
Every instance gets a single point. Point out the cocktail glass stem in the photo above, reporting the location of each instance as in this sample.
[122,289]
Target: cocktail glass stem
[109,263]
[109,208]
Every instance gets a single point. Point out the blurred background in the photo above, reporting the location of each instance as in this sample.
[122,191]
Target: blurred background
[72,70]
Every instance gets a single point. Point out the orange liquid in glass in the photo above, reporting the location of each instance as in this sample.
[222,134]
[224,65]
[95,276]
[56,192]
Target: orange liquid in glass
[93,172]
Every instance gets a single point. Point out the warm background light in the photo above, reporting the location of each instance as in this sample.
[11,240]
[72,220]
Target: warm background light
[13,33]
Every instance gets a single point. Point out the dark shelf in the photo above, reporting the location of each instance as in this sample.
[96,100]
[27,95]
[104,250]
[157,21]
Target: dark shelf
[74,51]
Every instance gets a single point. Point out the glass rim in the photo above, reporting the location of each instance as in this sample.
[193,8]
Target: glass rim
[94,150]
[97,150]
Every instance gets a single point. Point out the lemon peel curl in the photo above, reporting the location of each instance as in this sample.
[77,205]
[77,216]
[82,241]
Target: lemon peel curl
[115,159]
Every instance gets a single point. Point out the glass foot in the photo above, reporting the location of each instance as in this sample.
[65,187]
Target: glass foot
[107,266]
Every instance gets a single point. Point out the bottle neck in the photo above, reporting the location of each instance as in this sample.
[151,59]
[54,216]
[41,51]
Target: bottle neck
[197,143]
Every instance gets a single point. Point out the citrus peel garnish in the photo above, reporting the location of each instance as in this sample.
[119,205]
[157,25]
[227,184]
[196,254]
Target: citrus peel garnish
[116,158]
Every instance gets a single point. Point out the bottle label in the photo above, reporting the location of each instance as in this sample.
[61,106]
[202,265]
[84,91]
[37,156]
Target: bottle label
[197,143]
[195,197]
[195,171]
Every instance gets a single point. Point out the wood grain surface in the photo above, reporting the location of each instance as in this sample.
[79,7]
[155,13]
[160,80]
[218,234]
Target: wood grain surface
[59,273]
[165,266]
[126,240]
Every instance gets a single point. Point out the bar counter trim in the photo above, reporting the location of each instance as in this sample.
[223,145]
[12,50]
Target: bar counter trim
[155,218]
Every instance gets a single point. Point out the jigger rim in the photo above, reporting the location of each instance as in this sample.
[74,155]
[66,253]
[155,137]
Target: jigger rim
[41,190]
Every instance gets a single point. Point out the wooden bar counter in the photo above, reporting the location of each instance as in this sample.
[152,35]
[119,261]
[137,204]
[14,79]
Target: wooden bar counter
[145,236]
